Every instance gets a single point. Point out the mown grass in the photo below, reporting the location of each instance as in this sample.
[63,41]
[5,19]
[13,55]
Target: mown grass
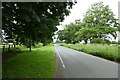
[39,63]
[109,52]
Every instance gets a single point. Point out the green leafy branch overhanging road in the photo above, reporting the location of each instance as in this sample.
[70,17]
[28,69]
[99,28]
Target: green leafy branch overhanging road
[29,23]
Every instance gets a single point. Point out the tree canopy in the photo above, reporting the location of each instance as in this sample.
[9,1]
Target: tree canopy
[32,22]
[68,34]
[98,23]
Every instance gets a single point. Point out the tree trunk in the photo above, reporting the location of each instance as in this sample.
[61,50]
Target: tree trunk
[85,41]
[9,47]
[14,46]
[30,48]
[74,42]
[30,45]
[3,48]
[44,43]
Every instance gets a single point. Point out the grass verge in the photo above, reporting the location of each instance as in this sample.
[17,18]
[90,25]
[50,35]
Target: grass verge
[109,52]
[39,63]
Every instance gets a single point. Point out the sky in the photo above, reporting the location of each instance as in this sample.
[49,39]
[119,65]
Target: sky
[82,6]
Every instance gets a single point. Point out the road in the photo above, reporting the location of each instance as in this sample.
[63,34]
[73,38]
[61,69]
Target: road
[75,64]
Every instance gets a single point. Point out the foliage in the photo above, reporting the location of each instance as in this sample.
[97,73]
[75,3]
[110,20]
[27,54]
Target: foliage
[114,42]
[118,41]
[68,34]
[109,52]
[98,23]
[29,23]
[99,40]
[102,19]
[85,34]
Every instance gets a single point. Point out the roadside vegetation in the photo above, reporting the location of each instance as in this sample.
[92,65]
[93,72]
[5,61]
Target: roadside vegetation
[96,31]
[98,25]
[40,63]
[24,25]
[109,52]
[28,24]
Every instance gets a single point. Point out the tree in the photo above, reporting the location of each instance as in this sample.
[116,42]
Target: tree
[98,22]
[85,34]
[68,34]
[29,23]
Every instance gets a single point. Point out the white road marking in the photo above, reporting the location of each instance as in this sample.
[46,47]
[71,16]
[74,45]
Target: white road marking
[60,58]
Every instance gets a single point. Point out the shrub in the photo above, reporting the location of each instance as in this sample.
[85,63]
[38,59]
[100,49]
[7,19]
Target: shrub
[99,40]
[114,42]
[96,40]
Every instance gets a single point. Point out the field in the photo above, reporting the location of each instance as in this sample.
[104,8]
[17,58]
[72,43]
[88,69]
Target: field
[109,52]
[39,63]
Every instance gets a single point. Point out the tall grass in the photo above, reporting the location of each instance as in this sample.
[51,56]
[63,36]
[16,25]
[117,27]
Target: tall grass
[109,52]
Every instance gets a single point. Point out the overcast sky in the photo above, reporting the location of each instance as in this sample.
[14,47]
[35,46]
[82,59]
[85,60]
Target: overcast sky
[81,7]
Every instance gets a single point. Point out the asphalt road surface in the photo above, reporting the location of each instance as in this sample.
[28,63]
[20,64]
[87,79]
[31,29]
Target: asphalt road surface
[75,64]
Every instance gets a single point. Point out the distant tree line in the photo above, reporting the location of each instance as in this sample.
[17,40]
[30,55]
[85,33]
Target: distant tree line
[98,23]
[28,23]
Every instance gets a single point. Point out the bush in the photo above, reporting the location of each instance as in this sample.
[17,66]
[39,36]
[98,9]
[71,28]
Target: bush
[98,40]
[106,42]
[38,45]
[118,41]
[114,42]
